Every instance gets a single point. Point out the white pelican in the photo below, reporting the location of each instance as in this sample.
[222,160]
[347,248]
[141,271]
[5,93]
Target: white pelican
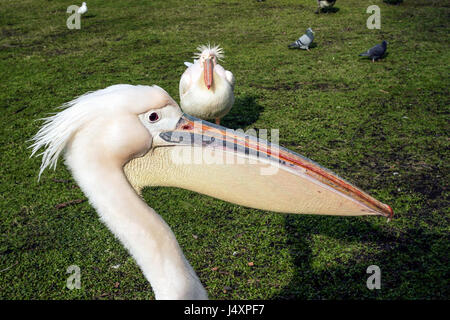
[126,137]
[206,88]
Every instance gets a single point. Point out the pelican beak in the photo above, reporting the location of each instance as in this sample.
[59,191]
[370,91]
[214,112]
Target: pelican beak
[208,68]
[243,169]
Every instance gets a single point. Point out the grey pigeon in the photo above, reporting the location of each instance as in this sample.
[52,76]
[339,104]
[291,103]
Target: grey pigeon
[325,4]
[304,41]
[376,52]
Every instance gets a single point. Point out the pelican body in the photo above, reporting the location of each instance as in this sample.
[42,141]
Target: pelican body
[122,138]
[206,88]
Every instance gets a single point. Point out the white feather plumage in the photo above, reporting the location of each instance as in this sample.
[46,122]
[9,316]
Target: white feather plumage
[215,50]
[83,9]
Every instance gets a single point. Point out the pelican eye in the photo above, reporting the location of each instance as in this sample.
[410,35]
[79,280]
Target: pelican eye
[153,117]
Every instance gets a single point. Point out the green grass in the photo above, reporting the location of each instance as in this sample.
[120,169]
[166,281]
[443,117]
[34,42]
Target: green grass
[383,126]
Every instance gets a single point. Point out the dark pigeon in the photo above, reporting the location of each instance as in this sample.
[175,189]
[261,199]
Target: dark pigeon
[376,52]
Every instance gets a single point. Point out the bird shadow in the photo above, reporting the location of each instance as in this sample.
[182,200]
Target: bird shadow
[397,255]
[328,10]
[244,112]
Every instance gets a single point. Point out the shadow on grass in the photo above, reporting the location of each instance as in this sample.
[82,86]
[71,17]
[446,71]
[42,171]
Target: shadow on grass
[412,263]
[244,112]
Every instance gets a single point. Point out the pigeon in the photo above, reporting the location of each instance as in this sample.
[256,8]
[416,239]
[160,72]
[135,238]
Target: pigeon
[304,41]
[82,9]
[376,52]
[325,4]
[188,64]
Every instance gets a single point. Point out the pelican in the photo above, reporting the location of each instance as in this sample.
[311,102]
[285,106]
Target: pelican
[122,138]
[206,88]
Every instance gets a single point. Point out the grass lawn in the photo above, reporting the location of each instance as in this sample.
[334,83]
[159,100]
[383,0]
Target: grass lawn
[383,126]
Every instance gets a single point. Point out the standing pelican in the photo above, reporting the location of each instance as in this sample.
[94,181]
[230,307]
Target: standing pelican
[206,88]
[122,138]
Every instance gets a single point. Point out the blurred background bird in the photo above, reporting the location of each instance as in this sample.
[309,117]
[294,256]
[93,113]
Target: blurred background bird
[206,88]
[304,41]
[324,4]
[83,9]
[376,52]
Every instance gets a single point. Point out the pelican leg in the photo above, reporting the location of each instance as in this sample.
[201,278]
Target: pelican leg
[218,121]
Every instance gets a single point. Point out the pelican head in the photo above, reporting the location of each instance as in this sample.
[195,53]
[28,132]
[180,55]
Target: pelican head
[208,57]
[126,137]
